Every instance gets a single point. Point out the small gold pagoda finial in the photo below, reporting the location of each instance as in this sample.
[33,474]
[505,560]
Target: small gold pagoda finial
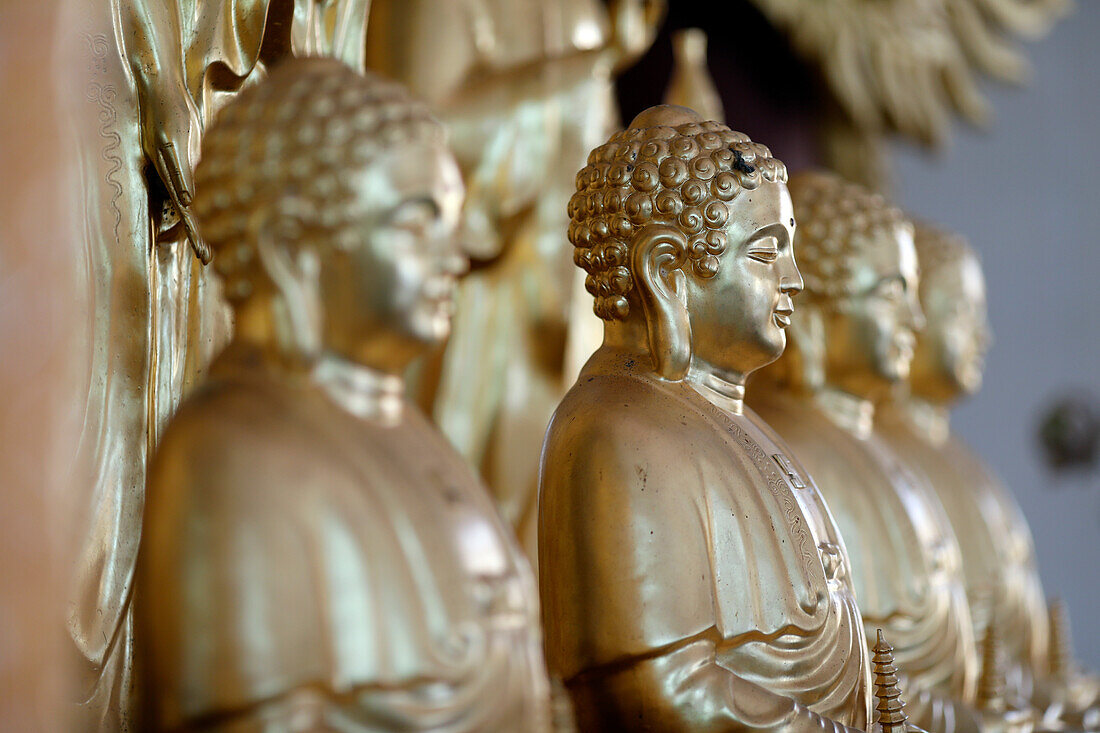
[890,707]
[1000,711]
[991,684]
[1061,644]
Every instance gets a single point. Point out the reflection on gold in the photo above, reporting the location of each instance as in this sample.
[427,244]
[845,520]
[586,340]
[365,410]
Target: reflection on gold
[1001,711]
[890,707]
[157,73]
[1069,696]
[315,556]
[525,89]
[316,551]
[691,84]
[691,575]
[998,558]
[850,344]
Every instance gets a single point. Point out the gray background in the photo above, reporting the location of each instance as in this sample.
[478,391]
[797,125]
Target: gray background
[1025,194]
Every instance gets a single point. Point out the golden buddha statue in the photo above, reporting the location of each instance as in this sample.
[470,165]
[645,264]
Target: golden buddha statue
[691,575]
[315,556]
[526,89]
[157,72]
[997,552]
[1002,577]
[851,343]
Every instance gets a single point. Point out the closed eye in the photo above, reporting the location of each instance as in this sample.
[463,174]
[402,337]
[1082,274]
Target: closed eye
[764,249]
[416,215]
[892,289]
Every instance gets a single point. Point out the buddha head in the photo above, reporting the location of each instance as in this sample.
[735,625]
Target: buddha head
[857,329]
[685,230]
[951,350]
[330,201]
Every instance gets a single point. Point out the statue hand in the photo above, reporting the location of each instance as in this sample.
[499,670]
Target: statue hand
[167,126]
[172,172]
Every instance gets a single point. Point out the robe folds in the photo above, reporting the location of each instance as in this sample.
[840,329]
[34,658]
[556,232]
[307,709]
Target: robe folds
[300,548]
[905,558]
[157,316]
[998,554]
[664,521]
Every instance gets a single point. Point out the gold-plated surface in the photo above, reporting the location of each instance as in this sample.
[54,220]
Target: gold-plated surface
[1000,709]
[851,342]
[156,74]
[998,557]
[315,556]
[525,89]
[1068,695]
[691,575]
[691,84]
[890,708]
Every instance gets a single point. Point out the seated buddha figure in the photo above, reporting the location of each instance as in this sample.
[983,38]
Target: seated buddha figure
[1002,578]
[852,342]
[315,556]
[997,553]
[691,575]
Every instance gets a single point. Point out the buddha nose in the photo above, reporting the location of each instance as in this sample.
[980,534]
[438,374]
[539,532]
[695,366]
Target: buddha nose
[790,281]
[458,265]
[456,261]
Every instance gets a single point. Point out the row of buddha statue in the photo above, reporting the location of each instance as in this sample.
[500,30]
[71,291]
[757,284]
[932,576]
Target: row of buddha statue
[751,511]
[524,88]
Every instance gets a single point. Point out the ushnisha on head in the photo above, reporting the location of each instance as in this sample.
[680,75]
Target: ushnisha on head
[951,350]
[686,226]
[856,331]
[330,199]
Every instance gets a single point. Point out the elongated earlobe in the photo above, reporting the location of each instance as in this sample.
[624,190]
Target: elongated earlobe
[295,274]
[659,251]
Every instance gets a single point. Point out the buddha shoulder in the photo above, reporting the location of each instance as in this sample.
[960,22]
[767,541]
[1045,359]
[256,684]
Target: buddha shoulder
[607,419]
[232,438]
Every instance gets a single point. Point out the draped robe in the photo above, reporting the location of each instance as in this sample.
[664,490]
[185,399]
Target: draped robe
[294,547]
[998,556]
[906,562]
[525,88]
[675,554]
[157,317]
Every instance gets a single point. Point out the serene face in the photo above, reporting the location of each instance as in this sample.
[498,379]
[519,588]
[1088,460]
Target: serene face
[950,354]
[871,335]
[739,316]
[389,296]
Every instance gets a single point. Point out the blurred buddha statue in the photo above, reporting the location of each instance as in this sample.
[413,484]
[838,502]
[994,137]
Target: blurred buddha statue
[998,556]
[997,552]
[525,88]
[691,575]
[315,556]
[156,73]
[851,343]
